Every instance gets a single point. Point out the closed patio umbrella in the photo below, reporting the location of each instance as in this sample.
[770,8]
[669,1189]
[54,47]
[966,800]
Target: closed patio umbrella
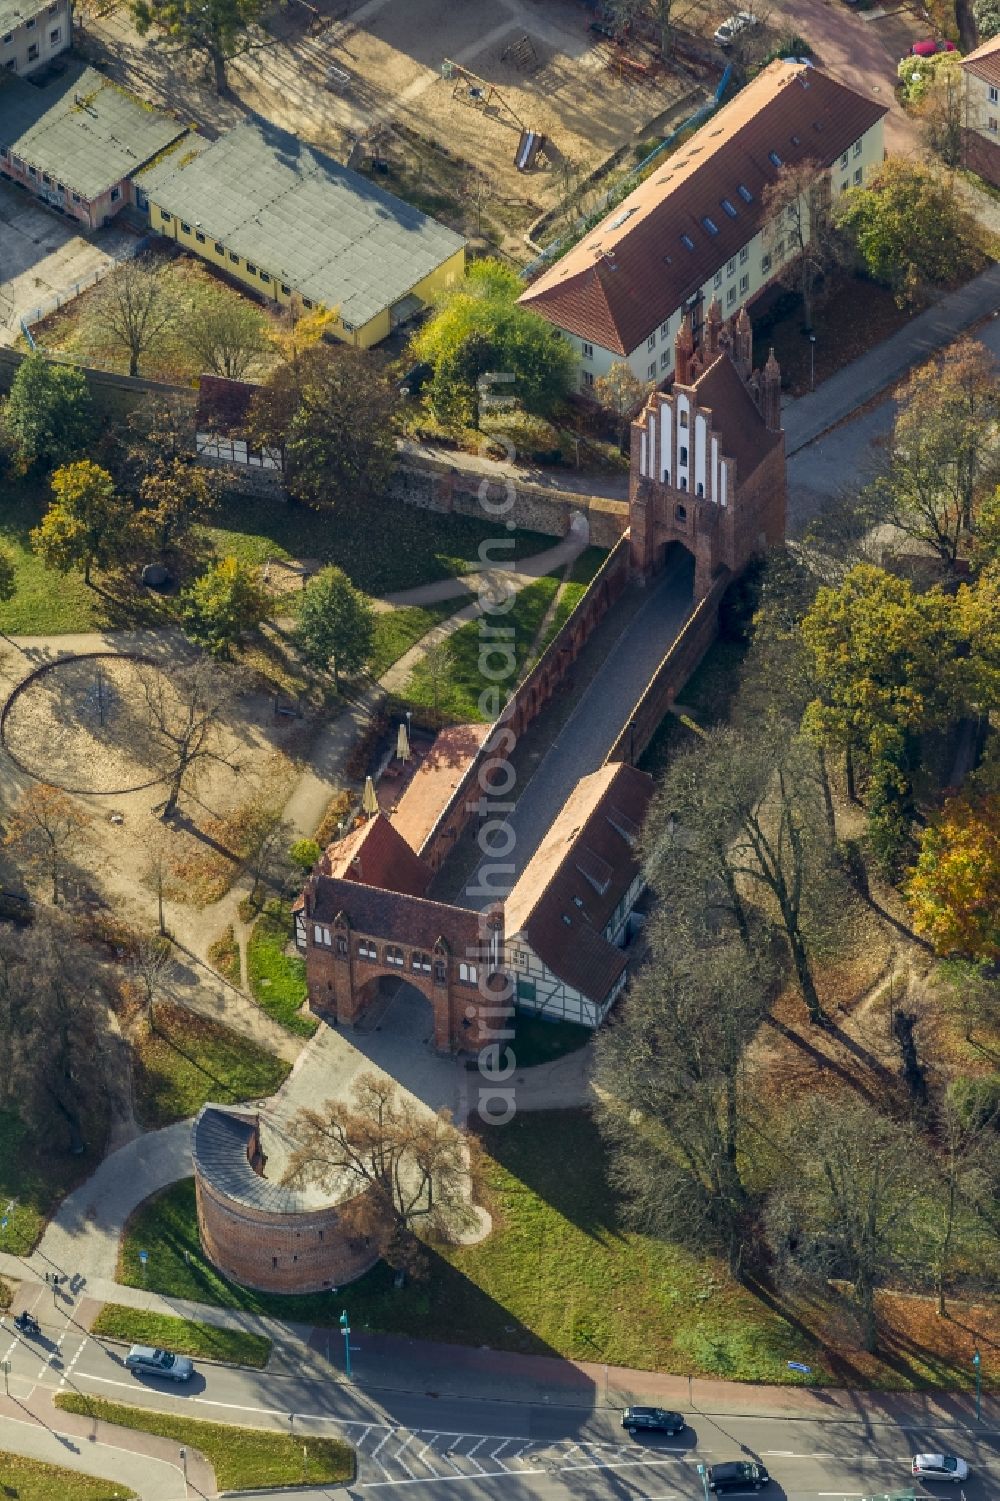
[369,799]
[403,743]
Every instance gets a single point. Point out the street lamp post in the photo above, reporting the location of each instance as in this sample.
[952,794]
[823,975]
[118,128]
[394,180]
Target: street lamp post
[812,362]
[977,1362]
[184,1469]
[704,1480]
[345,1329]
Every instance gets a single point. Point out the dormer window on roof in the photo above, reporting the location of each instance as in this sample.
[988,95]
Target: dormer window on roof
[773,156]
[729,207]
[745,193]
[710,225]
[687,242]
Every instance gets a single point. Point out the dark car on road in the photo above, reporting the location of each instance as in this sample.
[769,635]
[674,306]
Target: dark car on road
[739,1475]
[652,1420]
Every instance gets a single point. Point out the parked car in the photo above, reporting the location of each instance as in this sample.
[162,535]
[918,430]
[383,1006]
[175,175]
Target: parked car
[929,46]
[738,1475]
[652,1420]
[730,29]
[144,1360]
[940,1467]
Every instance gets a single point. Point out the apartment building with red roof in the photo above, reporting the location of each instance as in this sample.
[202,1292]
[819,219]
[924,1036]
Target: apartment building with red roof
[698,226]
[981,110]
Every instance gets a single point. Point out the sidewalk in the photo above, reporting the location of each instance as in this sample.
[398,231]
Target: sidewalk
[421,1368]
[856,384]
[150,1466]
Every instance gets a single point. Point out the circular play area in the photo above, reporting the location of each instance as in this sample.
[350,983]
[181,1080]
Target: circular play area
[82,723]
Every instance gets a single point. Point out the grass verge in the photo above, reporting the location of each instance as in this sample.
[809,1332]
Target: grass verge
[31,1480]
[46,602]
[397,630]
[188,1060]
[278,980]
[539,1041]
[242,1458]
[561,1275]
[402,547]
[458,690]
[183,1336]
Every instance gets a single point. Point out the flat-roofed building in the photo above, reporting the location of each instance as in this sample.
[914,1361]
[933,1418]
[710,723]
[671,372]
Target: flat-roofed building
[287,220]
[981,110]
[76,142]
[698,227]
[31,35]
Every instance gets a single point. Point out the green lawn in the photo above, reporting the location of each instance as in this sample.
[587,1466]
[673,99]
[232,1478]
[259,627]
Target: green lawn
[401,545]
[558,1275]
[45,602]
[184,1336]
[242,1458]
[189,1059]
[278,980]
[537,1040]
[31,1480]
[35,1181]
[458,695]
[397,630]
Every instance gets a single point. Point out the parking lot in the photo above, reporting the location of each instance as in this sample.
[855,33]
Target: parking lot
[42,256]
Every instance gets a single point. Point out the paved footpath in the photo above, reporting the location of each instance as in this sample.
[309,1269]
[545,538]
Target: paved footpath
[864,378]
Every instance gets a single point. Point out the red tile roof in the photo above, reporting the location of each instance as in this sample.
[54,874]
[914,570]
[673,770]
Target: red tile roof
[574,881]
[376,854]
[400,918]
[743,434]
[985,61]
[434,781]
[634,270]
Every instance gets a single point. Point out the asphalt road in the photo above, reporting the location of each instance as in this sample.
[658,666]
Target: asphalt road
[433,1447]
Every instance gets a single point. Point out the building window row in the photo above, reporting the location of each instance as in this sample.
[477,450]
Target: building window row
[469,973]
[321,935]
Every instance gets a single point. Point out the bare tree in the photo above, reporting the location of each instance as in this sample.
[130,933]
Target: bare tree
[670,1078]
[966,1174]
[261,836]
[800,237]
[184,718]
[54,1020]
[621,393]
[133,306]
[46,828]
[149,966]
[411,1167]
[742,814]
[225,333]
[846,1205]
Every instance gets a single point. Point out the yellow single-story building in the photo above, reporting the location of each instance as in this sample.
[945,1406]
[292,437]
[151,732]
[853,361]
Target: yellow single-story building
[287,220]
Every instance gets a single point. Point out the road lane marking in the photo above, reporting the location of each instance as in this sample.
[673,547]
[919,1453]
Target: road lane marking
[372,1485]
[374,1451]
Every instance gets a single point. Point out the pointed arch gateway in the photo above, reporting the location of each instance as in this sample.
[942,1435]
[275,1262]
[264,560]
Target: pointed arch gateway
[707,457]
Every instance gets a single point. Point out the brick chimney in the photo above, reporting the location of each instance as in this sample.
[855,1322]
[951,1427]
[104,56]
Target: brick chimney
[683,350]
